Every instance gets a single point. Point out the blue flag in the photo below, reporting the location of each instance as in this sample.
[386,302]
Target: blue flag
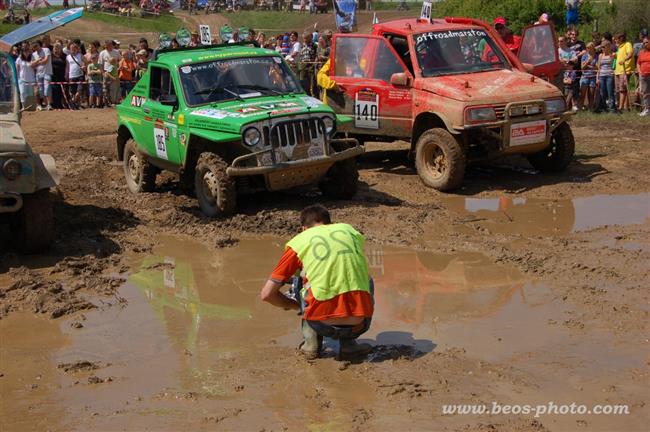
[345,14]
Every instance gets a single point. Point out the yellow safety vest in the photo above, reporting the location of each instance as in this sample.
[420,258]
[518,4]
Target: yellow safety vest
[333,260]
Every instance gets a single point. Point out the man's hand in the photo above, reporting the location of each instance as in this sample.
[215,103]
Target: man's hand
[271,294]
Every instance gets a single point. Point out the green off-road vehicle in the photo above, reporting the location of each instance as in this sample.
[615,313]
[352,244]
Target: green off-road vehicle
[230,119]
[25,177]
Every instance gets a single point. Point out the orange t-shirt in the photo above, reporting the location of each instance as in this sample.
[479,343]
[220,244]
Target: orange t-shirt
[643,62]
[126,70]
[349,304]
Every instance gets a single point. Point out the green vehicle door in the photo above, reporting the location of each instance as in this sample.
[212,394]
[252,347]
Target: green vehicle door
[160,121]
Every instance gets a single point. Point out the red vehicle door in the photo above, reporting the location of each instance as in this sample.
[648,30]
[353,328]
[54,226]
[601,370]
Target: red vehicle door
[375,83]
[539,49]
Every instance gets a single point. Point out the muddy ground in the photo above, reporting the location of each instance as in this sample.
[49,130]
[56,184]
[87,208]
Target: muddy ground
[541,295]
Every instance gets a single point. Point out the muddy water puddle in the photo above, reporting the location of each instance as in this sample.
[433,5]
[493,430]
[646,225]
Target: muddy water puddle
[553,217]
[194,342]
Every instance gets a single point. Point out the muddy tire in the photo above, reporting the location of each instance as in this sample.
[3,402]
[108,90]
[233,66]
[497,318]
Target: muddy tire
[439,160]
[140,175]
[33,225]
[215,190]
[341,180]
[559,154]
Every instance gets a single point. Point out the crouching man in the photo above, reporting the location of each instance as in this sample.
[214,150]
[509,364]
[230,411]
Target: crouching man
[335,298]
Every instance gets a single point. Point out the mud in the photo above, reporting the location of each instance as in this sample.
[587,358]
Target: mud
[520,288]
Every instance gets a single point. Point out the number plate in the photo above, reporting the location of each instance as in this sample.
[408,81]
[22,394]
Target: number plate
[532,132]
[366,110]
[159,139]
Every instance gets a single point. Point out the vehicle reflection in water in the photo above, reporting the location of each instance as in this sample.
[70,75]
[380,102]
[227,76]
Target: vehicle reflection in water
[554,217]
[418,288]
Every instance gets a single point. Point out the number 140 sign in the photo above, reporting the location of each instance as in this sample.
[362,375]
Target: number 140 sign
[366,110]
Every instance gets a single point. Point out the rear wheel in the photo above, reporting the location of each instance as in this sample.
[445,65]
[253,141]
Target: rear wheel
[439,160]
[140,174]
[342,179]
[215,189]
[558,155]
[33,224]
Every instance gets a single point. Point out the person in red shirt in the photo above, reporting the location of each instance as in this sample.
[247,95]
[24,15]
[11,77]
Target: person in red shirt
[336,298]
[643,67]
[512,41]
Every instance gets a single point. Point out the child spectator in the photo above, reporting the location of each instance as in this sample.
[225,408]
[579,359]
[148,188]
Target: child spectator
[126,73]
[569,79]
[95,78]
[643,66]
[111,83]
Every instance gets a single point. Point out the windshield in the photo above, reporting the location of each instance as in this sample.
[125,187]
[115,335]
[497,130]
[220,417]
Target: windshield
[459,51]
[7,87]
[237,78]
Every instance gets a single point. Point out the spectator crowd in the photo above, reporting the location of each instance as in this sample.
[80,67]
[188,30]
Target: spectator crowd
[607,74]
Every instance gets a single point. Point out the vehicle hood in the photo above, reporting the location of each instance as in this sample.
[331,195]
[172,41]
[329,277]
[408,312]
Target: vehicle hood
[12,138]
[232,115]
[493,87]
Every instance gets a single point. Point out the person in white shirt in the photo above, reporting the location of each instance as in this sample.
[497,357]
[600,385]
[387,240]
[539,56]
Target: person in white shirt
[108,53]
[42,59]
[74,74]
[26,74]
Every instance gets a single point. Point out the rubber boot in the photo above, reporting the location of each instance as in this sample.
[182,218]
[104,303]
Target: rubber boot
[311,345]
[351,348]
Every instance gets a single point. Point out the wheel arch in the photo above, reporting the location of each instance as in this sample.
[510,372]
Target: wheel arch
[428,120]
[124,134]
[226,145]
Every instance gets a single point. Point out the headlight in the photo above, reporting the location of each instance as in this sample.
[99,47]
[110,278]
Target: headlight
[329,124]
[252,136]
[555,106]
[475,115]
[11,169]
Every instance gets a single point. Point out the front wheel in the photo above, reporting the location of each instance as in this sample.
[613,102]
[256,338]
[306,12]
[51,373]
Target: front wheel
[439,160]
[342,179]
[215,189]
[33,224]
[140,174]
[558,155]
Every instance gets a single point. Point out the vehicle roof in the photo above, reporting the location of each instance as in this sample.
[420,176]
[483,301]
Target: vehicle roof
[215,52]
[416,25]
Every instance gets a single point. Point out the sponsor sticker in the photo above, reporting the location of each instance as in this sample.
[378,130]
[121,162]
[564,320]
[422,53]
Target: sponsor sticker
[137,101]
[528,133]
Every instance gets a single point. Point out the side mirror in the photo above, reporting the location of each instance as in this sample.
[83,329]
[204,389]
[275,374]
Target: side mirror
[168,100]
[399,79]
[529,67]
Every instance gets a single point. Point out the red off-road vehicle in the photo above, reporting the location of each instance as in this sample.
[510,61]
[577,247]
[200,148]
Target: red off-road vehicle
[455,91]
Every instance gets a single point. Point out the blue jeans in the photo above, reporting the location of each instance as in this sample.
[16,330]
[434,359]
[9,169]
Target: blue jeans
[571,16]
[607,91]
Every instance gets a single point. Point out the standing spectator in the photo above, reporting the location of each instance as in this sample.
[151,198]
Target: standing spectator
[42,58]
[112,83]
[109,53]
[368,5]
[285,46]
[639,45]
[126,73]
[568,80]
[194,41]
[307,62]
[46,42]
[144,45]
[295,45]
[95,78]
[26,74]
[588,80]
[58,76]
[605,76]
[75,75]
[261,40]
[643,66]
[579,49]
[572,11]
[93,48]
[322,50]
[623,71]
[566,55]
[142,58]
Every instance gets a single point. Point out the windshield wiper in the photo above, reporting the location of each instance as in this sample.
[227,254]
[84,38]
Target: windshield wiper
[260,88]
[214,90]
